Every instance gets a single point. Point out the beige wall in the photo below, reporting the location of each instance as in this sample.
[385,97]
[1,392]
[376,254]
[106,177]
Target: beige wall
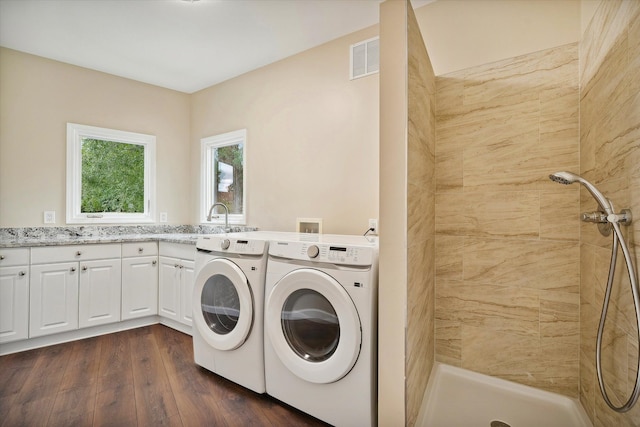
[465,33]
[37,99]
[392,308]
[507,250]
[610,158]
[312,138]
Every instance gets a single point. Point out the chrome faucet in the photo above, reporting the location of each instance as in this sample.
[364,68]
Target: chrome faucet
[226,215]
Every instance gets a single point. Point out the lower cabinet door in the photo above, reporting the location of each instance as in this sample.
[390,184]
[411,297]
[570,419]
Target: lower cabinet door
[169,288]
[53,298]
[14,303]
[186,300]
[100,292]
[139,287]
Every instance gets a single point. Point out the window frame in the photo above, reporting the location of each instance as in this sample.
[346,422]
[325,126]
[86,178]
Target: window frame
[206,176]
[75,134]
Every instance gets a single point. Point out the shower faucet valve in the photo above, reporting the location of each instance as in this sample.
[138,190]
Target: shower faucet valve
[598,217]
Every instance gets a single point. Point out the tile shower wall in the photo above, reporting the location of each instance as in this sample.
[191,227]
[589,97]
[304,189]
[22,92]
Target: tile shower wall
[610,158]
[507,238]
[420,339]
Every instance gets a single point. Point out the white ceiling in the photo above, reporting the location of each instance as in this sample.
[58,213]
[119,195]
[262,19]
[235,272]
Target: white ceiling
[177,44]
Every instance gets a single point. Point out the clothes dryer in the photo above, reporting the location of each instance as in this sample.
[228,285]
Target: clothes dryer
[228,303]
[321,327]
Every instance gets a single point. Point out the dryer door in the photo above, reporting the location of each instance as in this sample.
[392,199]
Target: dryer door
[313,326]
[223,304]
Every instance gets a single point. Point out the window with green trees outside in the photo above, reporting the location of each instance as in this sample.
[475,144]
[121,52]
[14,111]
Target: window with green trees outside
[110,175]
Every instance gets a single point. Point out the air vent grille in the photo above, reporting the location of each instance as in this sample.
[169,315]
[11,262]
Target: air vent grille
[365,58]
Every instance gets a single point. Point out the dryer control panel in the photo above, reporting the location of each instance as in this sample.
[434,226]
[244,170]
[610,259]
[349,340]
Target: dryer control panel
[323,252]
[231,245]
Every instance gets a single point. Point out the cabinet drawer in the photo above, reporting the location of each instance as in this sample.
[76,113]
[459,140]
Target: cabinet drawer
[178,250]
[139,249]
[50,254]
[10,257]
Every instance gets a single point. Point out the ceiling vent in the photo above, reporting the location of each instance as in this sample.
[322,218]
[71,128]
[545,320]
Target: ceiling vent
[365,58]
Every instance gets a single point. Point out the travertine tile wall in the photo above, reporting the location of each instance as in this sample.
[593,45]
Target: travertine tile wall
[610,158]
[420,339]
[507,238]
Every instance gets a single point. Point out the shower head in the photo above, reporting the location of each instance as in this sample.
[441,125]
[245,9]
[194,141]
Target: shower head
[567,178]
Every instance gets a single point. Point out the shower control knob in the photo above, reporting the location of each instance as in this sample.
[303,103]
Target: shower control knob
[313,251]
[225,244]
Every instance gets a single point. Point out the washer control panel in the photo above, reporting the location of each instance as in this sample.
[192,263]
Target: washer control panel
[323,252]
[231,245]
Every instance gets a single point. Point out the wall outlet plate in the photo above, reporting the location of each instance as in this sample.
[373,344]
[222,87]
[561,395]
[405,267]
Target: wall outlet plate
[49,217]
[163,217]
[373,226]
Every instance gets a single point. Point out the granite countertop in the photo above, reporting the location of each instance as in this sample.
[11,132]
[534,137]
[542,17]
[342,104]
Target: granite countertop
[58,236]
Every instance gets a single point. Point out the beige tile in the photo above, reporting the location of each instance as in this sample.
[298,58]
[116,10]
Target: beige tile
[587,274]
[502,309]
[588,385]
[560,320]
[448,257]
[449,94]
[560,214]
[615,364]
[497,353]
[545,265]
[491,214]
[527,73]
[420,213]
[449,342]
[449,302]
[448,167]
[619,136]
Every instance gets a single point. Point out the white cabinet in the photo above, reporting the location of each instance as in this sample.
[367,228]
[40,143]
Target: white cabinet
[139,280]
[188,281]
[175,282]
[14,294]
[53,297]
[100,292]
[73,286]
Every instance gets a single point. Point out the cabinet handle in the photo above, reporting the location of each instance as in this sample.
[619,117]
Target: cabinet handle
[176,266]
[154,262]
[73,269]
[22,273]
[1,257]
[84,268]
[78,253]
[140,250]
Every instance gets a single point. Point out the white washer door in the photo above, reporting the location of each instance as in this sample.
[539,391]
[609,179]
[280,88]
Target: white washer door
[313,326]
[223,304]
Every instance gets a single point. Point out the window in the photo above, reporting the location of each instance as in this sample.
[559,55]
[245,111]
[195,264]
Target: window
[223,176]
[110,176]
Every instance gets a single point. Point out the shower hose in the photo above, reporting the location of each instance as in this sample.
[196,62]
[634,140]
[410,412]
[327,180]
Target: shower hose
[618,240]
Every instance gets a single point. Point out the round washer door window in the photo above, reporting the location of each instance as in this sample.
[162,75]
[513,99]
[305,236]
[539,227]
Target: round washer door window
[223,305]
[313,326]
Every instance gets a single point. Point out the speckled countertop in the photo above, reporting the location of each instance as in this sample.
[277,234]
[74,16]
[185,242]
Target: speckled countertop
[57,236]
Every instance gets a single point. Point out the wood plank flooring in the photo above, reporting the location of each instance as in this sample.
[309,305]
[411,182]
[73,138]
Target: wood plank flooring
[141,377]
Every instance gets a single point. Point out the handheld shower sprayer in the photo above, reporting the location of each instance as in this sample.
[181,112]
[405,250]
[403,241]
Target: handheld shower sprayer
[612,220]
[567,178]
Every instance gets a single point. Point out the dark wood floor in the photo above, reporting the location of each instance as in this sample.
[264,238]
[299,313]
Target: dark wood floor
[141,377]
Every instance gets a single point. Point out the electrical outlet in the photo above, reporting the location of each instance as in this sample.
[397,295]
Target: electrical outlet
[163,217]
[373,226]
[49,217]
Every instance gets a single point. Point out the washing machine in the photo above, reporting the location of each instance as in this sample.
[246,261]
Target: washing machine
[321,327]
[228,304]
